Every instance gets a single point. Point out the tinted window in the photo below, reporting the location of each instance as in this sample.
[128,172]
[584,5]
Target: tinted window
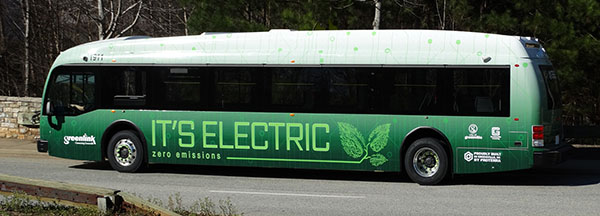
[413,91]
[481,92]
[178,87]
[408,91]
[72,92]
[124,87]
[350,90]
[235,88]
[552,87]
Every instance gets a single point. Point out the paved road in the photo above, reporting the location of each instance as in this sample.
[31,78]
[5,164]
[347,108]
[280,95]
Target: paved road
[571,188]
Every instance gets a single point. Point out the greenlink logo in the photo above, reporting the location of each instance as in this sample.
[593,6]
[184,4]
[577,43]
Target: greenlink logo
[356,146]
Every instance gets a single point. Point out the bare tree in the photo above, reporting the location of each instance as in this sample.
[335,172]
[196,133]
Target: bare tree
[25,5]
[164,18]
[2,43]
[442,16]
[113,27]
[377,18]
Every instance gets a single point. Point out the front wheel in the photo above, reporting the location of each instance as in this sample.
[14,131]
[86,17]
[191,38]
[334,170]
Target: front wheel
[426,161]
[125,152]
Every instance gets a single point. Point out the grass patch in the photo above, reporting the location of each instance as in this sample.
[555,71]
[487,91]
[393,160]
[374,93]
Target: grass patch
[201,207]
[21,204]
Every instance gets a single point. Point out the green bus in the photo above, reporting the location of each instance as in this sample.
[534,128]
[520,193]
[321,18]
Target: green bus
[426,102]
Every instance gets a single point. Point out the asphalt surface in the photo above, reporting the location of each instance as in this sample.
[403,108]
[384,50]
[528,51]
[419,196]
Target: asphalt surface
[571,188]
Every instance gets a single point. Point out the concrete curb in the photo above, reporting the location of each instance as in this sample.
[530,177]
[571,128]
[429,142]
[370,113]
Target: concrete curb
[80,195]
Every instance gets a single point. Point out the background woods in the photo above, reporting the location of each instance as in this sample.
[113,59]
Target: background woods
[34,32]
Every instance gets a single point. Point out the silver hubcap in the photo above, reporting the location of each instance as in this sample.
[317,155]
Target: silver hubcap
[426,162]
[125,152]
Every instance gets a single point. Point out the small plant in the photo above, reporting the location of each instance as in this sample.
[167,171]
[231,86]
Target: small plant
[201,207]
[175,203]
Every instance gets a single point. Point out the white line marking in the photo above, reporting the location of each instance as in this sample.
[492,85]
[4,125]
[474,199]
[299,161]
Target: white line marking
[288,194]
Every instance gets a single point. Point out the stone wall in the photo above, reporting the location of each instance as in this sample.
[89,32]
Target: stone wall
[13,108]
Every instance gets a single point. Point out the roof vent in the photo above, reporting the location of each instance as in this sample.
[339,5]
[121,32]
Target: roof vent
[136,37]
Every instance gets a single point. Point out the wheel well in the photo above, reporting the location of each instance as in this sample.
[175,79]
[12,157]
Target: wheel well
[423,132]
[121,125]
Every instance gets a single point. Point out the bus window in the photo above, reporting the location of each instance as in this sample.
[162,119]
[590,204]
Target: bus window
[182,88]
[481,92]
[73,93]
[125,87]
[350,90]
[296,89]
[236,88]
[456,92]
[411,91]
[552,87]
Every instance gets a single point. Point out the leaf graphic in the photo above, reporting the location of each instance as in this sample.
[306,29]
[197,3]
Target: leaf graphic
[379,137]
[378,160]
[351,139]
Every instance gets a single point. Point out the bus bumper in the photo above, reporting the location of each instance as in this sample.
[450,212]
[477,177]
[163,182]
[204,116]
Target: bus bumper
[551,157]
[42,146]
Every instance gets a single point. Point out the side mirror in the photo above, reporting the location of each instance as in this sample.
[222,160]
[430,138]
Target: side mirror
[49,108]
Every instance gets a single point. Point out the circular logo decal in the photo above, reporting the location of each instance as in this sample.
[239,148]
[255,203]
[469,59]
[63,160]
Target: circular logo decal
[468,156]
[473,129]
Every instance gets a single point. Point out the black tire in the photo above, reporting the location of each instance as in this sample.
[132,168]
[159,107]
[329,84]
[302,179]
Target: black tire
[125,152]
[430,166]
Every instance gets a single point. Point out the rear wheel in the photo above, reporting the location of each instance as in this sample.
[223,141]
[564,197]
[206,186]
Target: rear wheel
[125,152]
[426,161]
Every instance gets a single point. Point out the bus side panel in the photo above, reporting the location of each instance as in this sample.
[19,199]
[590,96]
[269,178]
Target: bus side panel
[511,149]
[74,137]
[312,141]
[483,145]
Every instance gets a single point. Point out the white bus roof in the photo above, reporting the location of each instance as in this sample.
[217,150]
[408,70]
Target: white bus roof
[285,47]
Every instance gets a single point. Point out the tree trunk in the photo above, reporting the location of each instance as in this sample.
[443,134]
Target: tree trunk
[26,53]
[2,43]
[377,18]
[100,20]
[56,26]
[185,21]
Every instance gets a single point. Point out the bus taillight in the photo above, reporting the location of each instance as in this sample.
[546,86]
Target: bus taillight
[538,135]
